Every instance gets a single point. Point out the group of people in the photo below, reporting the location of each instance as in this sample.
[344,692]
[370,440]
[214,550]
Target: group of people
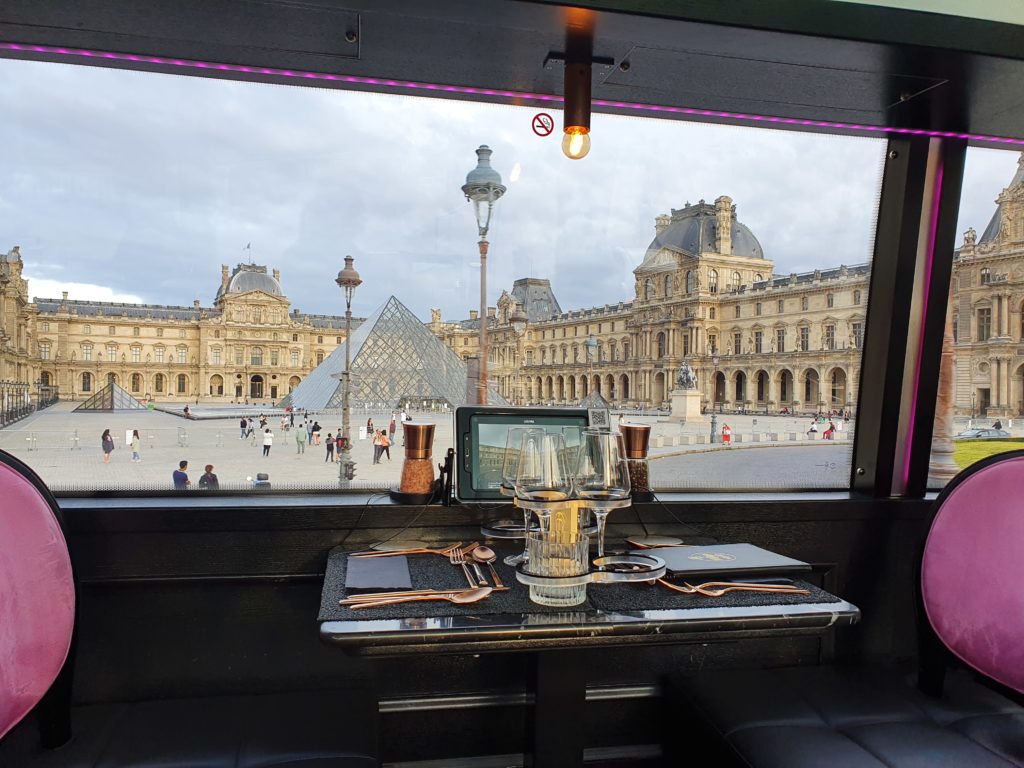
[207,481]
[107,446]
[829,432]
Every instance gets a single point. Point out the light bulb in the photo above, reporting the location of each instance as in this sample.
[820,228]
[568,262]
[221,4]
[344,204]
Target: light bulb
[576,142]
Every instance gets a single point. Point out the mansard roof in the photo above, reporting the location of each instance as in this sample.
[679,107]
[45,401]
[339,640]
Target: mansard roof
[692,230]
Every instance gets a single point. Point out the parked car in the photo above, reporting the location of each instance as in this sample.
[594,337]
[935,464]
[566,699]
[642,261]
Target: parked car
[983,433]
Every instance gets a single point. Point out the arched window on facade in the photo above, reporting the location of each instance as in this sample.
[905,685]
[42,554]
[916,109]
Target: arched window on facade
[713,281]
[758,277]
[136,382]
[87,382]
[44,378]
[158,383]
[257,356]
[986,276]
[736,281]
[182,384]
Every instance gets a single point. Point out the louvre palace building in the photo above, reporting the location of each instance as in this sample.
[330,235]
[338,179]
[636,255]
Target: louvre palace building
[250,346]
[704,292]
[759,341]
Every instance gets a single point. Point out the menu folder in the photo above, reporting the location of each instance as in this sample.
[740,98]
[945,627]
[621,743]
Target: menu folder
[374,574]
[726,560]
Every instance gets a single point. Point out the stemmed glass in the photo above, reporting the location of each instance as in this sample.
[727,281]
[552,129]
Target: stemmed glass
[509,468]
[601,475]
[543,473]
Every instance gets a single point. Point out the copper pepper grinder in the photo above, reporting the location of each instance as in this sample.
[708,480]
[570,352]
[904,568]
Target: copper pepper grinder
[637,438]
[418,469]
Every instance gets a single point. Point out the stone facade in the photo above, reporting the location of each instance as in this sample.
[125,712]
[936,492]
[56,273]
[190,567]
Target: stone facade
[988,311]
[248,347]
[704,293]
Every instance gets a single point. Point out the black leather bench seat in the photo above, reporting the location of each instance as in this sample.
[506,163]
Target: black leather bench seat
[808,717]
[309,729]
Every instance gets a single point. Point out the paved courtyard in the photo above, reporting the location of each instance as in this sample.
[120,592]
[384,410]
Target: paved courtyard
[769,452]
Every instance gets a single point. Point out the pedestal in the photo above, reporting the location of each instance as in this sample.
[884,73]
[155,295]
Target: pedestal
[686,407]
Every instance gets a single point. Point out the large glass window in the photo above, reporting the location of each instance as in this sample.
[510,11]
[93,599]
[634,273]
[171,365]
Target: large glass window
[980,406]
[656,299]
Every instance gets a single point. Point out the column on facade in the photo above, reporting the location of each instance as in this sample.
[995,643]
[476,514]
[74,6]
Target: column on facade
[1007,299]
[1005,387]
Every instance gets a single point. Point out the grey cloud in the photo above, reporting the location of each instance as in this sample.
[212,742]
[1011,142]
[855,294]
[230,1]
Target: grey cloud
[147,183]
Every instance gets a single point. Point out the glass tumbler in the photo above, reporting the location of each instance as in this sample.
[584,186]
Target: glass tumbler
[559,547]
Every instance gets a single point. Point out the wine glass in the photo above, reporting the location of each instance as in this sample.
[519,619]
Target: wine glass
[509,467]
[601,475]
[543,473]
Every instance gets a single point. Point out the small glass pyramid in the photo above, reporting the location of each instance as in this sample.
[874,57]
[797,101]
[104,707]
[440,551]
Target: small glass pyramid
[111,398]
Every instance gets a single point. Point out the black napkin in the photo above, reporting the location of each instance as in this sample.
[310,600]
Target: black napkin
[371,574]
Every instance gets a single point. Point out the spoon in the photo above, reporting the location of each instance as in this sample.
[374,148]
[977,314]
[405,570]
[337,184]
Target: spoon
[459,598]
[486,555]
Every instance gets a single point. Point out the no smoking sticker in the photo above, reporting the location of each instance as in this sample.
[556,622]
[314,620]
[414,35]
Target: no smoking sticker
[543,124]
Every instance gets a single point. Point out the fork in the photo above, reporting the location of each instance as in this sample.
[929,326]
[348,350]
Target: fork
[706,591]
[458,557]
[414,551]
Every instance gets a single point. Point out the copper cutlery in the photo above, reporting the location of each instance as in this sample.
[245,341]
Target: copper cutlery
[459,597]
[719,588]
[444,552]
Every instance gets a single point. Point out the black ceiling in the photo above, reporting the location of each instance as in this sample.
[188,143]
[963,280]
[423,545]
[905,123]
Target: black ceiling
[850,71]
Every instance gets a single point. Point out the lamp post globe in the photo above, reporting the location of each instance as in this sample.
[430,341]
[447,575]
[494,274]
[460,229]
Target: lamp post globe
[483,188]
[348,280]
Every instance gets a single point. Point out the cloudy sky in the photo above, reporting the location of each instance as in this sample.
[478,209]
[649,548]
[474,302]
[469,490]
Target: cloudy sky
[137,187]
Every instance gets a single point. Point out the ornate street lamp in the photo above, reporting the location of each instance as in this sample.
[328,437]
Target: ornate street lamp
[348,280]
[483,188]
[518,320]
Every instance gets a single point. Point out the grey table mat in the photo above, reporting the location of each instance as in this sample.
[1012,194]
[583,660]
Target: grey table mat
[433,571]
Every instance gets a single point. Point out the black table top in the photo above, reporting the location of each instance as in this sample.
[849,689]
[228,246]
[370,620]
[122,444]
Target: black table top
[612,614]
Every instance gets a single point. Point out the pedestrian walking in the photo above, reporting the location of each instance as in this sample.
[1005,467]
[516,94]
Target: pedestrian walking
[209,480]
[309,431]
[180,476]
[249,428]
[300,439]
[136,444]
[378,448]
[385,444]
[316,433]
[291,417]
[329,442]
[268,440]
[242,424]
[107,444]
[391,428]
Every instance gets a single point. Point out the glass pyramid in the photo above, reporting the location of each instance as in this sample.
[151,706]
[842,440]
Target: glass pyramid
[395,359]
[111,398]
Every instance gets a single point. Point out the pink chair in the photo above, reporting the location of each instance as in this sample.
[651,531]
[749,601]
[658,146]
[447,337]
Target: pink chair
[37,599]
[972,570]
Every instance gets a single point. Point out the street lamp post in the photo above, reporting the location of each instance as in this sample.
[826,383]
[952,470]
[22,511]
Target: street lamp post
[518,321]
[974,402]
[348,280]
[483,188]
[714,397]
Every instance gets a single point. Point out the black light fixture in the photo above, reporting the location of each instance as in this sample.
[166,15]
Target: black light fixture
[579,56]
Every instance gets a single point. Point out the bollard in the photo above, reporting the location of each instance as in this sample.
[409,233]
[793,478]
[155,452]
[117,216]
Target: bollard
[75,441]
[220,439]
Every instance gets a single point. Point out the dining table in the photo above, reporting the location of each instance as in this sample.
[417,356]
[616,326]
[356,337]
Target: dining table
[613,614]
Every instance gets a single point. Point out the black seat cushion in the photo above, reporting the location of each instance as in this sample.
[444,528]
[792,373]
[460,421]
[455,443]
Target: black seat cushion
[807,717]
[308,729]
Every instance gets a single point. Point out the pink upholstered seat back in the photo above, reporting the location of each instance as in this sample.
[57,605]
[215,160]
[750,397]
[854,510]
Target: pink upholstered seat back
[37,597]
[972,574]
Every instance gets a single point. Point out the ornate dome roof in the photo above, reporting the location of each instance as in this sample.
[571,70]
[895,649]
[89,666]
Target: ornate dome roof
[693,229]
[249,277]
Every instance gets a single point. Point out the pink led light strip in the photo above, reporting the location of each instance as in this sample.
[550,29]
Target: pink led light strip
[80,53]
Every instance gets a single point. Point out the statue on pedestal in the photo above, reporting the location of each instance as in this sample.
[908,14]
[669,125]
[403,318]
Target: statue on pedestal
[686,378]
